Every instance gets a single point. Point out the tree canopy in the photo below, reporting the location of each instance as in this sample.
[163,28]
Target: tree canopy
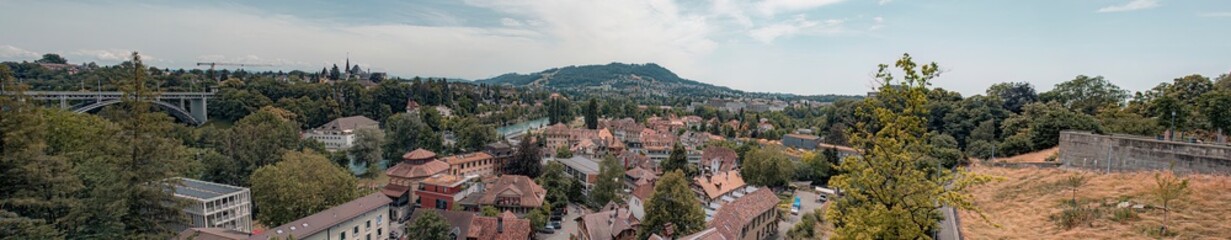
[301,184]
[672,202]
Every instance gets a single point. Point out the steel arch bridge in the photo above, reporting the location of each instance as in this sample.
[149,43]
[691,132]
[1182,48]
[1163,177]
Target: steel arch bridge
[191,108]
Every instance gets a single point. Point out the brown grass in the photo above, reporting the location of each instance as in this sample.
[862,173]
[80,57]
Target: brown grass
[1018,207]
[1038,156]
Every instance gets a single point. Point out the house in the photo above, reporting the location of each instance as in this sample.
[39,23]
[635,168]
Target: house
[412,106]
[612,223]
[631,159]
[444,191]
[472,164]
[717,189]
[214,205]
[502,151]
[640,195]
[583,169]
[339,134]
[751,217]
[515,193]
[718,159]
[800,141]
[405,177]
[636,174]
[363,218]
[469,226]
[211,234]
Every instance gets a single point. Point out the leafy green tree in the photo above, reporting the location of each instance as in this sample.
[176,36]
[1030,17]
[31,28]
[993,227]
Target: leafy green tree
[592,114]
[808,226]
[404,133]
[256,140]
[301,184]
[1223,82]
[817,167]
[672,202]
[527,161]
[889,191]
[38,187]
[52,58]
[472,135]
[767,166]
[559,110]
[610,183]
[489,211]
[1128,122]
[1014,94]
[367,149]
[231,103]
[557,184]
[1171,112]
[538,217]
[563,152]
[15,226]
[1214,106]
[1086,94]
[432,118]
[1047,121]
[429,226]
[981,149]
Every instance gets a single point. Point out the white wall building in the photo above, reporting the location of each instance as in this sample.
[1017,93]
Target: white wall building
[339,134]
[361,219]
[214,205]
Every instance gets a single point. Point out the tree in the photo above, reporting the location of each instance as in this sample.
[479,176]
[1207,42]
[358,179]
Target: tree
[256,140]
[301,184]
[564,152]
[1074,183]
[1128,122]
[610,183]
[472,135]
[1213,106]
[889,191]
[808,225]
[678,160]
[538,217]
[1014,94]
[527,161]
[52,58]
[592,114]
[429,226]
[489,211]
[1168,188]
[767,166]
[366,149]
[406,132]
[38,186]
[1086,94]
[559,110]
[672,202]
[1223,82]
[817,167]
[334,73]
[557,184]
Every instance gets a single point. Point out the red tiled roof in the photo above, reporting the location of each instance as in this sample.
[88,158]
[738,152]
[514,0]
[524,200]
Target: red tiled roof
[529,193]
[720,183]
[322,220]
[465,158]
[643,191]
[609,224]
[419,154]
[406,170]
[504,227]
[731,218]
[725,156]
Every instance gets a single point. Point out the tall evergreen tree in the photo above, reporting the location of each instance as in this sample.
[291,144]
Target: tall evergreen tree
[527,161]
[678,160]
[334,73]
[38,188]
[592,114]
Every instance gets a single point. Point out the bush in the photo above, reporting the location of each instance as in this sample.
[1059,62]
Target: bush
[1076,216]
[1014,145]
[1123,214]
[1052,157]
[981,149]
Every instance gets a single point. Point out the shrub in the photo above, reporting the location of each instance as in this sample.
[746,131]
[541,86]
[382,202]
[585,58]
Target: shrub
[1076,216]
[1123,215]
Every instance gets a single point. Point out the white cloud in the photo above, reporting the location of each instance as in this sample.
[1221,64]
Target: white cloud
[797,25]
[509,22]
[1133,5]
[1215,14]
[117,55]
[14,53]
[771,7]
[877,23]
[883,2]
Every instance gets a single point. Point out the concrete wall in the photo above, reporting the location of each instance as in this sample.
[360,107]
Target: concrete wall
[1134,153]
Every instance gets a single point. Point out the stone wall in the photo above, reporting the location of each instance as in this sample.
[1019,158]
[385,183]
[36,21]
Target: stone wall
[1134,153]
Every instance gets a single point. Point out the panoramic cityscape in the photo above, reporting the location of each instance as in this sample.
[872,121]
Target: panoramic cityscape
[615,120]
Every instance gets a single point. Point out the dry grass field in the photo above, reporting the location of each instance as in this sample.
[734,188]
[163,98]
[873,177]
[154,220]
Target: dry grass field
[1020,206]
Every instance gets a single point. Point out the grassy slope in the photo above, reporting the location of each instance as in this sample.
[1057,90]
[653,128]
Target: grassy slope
[1021,204]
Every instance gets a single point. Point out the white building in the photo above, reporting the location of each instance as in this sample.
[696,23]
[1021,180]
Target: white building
[214,205]
[360,219]
[339,134]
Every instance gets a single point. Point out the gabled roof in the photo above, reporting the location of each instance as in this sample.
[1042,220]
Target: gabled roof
[724,156]
[720,183]
[465,158]
[531,194]
[731,218]
[349,123]
[419,154]
[506,226]
[609,223]
[322,220]
[458,220]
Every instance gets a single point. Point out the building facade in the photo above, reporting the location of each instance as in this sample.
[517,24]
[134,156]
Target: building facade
[360,219]
[472,164]
[214,205]
[339,134]
[444,191]
[583,169]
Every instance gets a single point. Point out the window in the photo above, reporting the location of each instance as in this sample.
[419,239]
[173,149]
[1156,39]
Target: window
[356,231]
[369,237]
[368,224]
[379,232]
[342,236]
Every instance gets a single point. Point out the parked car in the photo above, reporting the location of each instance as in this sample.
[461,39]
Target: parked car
[546,231]
[555,224]
[822,198]
[794,211]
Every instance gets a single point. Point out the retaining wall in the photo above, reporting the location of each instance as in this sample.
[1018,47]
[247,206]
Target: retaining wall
[1134,153]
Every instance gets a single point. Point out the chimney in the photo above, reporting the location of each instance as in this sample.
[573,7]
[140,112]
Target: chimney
[499,224]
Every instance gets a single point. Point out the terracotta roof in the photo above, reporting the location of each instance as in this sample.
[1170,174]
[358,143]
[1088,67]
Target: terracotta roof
[724,156]
[504,227]
[720,183]
[609,224]
[531,194]
[349,123]
[640,173]
[419,154]
[447,180]
[407,170]
[731,218]
[465,158]
[322,220]
[643,191]
[211,234]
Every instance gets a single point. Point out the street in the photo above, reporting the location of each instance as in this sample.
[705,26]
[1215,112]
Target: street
[567,225]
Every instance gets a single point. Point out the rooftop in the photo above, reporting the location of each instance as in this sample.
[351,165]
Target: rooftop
[530,194]
[349,123]
[581,163]
[465,158]
[447,180]
[730,219]
[202,190]
[720,183]
[419,154]
[322,220]
[801,136]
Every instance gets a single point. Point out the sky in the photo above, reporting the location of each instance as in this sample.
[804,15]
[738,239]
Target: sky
[789,46]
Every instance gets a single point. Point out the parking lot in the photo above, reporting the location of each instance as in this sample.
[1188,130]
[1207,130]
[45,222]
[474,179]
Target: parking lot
[567,225]
[807,203]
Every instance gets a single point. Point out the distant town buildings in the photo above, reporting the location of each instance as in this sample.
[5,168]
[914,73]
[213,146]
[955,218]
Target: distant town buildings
[215,205]
[611,223]
[339,134]
[583,169]
[515,193]
[800,141]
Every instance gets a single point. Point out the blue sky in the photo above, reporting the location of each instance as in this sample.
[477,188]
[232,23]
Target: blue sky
[794,46]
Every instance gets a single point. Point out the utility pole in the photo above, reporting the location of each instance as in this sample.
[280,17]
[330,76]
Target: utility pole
[1172,137]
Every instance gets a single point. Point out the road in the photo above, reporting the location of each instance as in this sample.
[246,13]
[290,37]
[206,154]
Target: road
[807,203]
[567,225]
